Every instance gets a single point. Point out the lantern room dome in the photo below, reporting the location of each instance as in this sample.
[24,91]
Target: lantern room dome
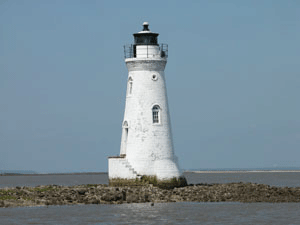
[145,37]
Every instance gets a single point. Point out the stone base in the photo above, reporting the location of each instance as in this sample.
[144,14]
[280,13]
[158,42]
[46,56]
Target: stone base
[149,180]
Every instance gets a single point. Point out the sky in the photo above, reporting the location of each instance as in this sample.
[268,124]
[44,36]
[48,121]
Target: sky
[233,81]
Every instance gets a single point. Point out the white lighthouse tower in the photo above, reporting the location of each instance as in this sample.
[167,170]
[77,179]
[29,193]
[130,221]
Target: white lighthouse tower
[146,145]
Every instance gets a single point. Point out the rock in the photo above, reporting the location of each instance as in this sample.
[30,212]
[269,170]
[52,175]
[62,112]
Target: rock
[81,192]
[147,198]
[132,198]
[100,194]
[95,201]
[112,197]
[123,195]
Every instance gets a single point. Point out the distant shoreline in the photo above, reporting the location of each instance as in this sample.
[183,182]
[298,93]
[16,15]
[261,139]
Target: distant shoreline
[186,171]
[244,171]
[50,174]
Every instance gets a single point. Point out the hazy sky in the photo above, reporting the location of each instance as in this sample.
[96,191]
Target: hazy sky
[233,81]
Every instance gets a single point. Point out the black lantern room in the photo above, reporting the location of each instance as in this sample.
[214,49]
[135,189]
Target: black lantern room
[145,37]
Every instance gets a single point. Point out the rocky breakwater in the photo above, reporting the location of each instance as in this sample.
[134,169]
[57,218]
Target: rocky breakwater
[103,194]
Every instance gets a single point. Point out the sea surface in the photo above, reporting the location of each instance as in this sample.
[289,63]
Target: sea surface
[160,213]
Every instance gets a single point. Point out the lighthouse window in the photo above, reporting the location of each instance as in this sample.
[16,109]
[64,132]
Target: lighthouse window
[130,82]
[130,88]
[155,114]
[125,124]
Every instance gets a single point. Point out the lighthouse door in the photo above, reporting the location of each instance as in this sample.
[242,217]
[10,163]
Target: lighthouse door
[124,138]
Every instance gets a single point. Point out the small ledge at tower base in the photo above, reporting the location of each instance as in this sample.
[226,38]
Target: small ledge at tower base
[149,180]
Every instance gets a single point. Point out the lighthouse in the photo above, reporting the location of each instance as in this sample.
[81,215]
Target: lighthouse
[146,143]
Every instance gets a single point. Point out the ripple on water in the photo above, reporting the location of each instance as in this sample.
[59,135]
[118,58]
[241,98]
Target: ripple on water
[160,213]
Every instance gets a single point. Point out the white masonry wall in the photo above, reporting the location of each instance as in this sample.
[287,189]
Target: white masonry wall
[117,168]
[148,147]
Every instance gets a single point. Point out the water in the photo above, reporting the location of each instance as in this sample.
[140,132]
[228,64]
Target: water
[290,179]
[276,178]
[160,213]
[47,179]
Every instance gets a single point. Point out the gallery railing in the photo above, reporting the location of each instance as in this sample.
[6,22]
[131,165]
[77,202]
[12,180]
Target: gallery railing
[130,51]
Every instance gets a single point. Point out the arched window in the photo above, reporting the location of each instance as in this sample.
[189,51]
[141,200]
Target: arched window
[156,114]
[130,82]
[125,124]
